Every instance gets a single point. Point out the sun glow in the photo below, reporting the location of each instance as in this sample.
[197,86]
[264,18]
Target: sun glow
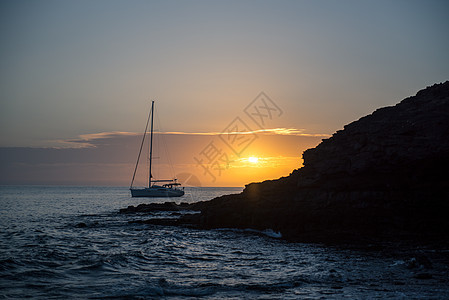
[253,159]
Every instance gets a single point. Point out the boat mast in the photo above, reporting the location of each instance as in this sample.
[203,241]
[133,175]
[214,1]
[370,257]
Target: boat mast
[151,142]
[141,146]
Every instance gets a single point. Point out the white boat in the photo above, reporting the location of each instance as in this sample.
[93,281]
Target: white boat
[171,188]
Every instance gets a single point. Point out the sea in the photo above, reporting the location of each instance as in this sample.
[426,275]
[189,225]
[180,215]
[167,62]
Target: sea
[72,243]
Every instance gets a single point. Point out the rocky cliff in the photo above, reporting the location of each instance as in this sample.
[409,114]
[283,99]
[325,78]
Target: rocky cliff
[385,175]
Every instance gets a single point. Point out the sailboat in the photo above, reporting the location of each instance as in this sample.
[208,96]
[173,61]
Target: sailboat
[156,188]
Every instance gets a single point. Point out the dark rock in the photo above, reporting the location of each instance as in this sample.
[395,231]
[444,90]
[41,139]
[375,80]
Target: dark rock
[167,206]
[383,176]
[420,261]
[337,287]
[423,276]
[81,225]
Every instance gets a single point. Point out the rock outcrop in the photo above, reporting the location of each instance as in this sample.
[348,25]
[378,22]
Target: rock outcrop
[385,175]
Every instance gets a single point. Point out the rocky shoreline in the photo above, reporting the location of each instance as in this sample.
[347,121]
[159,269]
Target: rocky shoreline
[385,176]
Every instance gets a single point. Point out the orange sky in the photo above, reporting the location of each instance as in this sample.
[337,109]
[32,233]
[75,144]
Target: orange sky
[109,159]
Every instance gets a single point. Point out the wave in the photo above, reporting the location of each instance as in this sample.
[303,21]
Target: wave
[266,232]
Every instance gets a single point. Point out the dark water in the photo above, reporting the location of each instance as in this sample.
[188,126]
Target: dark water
[45,255]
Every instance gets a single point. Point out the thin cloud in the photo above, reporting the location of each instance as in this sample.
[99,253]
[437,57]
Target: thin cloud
[105,135]
[277,131]
[88,140]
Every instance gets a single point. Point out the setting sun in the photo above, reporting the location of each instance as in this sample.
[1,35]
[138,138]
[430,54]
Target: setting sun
[253,159]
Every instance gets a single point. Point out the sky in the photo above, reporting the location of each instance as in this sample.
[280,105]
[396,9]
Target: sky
[77,77]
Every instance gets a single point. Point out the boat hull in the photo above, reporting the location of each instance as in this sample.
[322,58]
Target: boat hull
[156,192]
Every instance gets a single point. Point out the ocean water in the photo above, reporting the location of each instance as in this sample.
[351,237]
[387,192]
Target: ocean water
[46,252]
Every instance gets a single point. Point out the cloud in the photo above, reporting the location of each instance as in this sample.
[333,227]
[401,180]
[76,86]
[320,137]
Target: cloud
[88,140]
[290,131]
[280,131]
[92,139]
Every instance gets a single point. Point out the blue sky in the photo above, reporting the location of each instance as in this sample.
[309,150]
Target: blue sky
[72,68]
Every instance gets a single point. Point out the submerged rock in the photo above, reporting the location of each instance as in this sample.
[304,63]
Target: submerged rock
[167,206]
[423,276]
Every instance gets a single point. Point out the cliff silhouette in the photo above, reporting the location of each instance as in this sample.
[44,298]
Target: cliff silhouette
[385,175]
